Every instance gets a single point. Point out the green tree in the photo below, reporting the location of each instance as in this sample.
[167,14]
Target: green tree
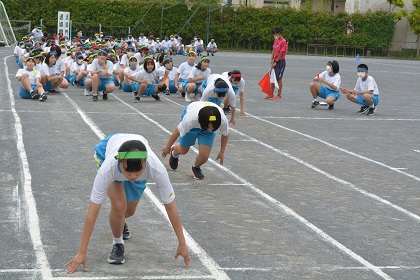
[414,21]
[398,15]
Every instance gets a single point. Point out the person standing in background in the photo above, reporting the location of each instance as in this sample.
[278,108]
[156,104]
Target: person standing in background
[278,62]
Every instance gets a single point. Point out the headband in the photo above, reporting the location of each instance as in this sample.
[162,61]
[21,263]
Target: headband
[192,52]
[132,155]
[237,75]
[362,69]
[53,53]
[205,58]
[221,89]
[132,57]
[212,118]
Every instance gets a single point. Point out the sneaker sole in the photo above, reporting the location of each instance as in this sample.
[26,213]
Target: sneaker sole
[127,237]
[115,262]
[364,112]
[195,177]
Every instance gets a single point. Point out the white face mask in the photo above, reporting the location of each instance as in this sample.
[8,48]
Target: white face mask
[276,37]
[87,52]
[130,54]
[361,74]
[80,61]
[328,69]
[133,64]
[63,50]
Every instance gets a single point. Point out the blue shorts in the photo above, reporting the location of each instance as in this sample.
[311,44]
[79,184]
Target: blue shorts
[172,87]
[82,82]
[134,86]
[149,90]
[183,83]
[24,93]
[104,82]
[133,190]
[71,78]
[197,85]
[215,100]
[116,83]
[205,138]
[361,99]
[325,92]
[48,86]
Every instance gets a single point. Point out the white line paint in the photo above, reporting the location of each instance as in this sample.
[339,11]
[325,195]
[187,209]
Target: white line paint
[30,203]
[332,177]
[321,234]
[417,151]
[357,119]
[338,148]
[205,259]
[163,277]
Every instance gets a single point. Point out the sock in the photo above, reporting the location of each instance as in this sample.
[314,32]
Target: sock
[117,240]
[172,153]
[372,106]
[316,99]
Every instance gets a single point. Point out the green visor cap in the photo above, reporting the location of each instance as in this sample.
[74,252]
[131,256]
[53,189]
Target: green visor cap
[132,155]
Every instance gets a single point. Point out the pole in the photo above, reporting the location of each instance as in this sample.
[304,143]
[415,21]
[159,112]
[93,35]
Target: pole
[208,22]
[161,20]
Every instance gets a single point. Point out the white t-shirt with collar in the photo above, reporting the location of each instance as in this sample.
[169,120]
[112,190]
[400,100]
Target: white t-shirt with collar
[190,119]
[154,171]
[366,85]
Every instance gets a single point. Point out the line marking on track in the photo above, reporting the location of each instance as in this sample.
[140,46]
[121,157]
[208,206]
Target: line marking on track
[205,259]
[31,212]
[333,119]
[337,148]
[330,176]
[321,234]
[417,151]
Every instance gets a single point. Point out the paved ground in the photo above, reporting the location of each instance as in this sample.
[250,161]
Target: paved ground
[304,193]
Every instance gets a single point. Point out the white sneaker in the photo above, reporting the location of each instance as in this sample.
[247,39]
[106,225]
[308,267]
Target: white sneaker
[86,92]
[187,97]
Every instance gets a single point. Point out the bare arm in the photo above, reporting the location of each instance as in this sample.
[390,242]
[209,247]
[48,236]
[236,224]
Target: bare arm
[223,145]
[167,149]
[177,226]
[90,221]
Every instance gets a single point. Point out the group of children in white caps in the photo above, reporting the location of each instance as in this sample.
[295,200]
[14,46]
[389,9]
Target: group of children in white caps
[125,161]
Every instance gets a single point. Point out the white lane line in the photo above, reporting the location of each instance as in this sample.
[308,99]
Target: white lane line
[332,177]
[334,119]
[31,212]
[338,148]
[321,234]
[163,277]
[417,151]
[205,259]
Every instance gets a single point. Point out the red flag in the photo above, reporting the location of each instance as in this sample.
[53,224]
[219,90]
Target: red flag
[265,84]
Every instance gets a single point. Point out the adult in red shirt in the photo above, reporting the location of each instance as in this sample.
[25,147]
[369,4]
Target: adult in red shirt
[278,62]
